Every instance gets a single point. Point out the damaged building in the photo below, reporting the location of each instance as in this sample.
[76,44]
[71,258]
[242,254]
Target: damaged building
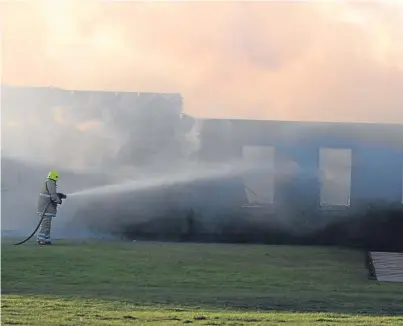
[306,172]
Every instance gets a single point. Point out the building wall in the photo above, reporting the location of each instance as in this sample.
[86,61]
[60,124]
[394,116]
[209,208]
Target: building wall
[98,126]
[372,163]
[374,173]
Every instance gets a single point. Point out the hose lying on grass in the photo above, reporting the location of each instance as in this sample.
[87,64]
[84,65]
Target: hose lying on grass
[37,227]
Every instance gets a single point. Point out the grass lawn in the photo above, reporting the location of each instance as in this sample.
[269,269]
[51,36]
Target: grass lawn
[117,283]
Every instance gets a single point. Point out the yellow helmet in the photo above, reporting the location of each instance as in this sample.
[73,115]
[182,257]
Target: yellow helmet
[53,175]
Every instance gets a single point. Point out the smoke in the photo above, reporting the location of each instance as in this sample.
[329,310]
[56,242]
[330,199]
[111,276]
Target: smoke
[320,61]
[317,61]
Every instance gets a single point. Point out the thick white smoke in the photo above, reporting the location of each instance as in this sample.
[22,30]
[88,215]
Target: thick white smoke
[337,61]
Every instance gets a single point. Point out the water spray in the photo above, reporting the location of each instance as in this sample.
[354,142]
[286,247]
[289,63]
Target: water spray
[149,183]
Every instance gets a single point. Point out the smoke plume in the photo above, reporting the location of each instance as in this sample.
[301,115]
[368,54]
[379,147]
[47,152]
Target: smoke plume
[320,61]
[317,61]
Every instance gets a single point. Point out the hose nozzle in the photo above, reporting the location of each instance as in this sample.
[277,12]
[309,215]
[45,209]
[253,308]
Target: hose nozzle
[61,195]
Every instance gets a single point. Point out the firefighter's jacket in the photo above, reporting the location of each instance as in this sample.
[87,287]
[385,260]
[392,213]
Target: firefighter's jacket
[48,194]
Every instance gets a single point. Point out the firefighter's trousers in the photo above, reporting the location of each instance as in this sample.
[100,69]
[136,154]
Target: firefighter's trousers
[45,228]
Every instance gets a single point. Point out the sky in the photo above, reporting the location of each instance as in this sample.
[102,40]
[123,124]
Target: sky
[317,61]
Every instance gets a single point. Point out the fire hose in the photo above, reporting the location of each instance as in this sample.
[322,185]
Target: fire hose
[61,196]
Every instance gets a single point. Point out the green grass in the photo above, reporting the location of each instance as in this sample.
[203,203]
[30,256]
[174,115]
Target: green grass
[115,283]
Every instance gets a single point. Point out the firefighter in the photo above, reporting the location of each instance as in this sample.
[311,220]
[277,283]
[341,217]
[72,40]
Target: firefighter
[48,194]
